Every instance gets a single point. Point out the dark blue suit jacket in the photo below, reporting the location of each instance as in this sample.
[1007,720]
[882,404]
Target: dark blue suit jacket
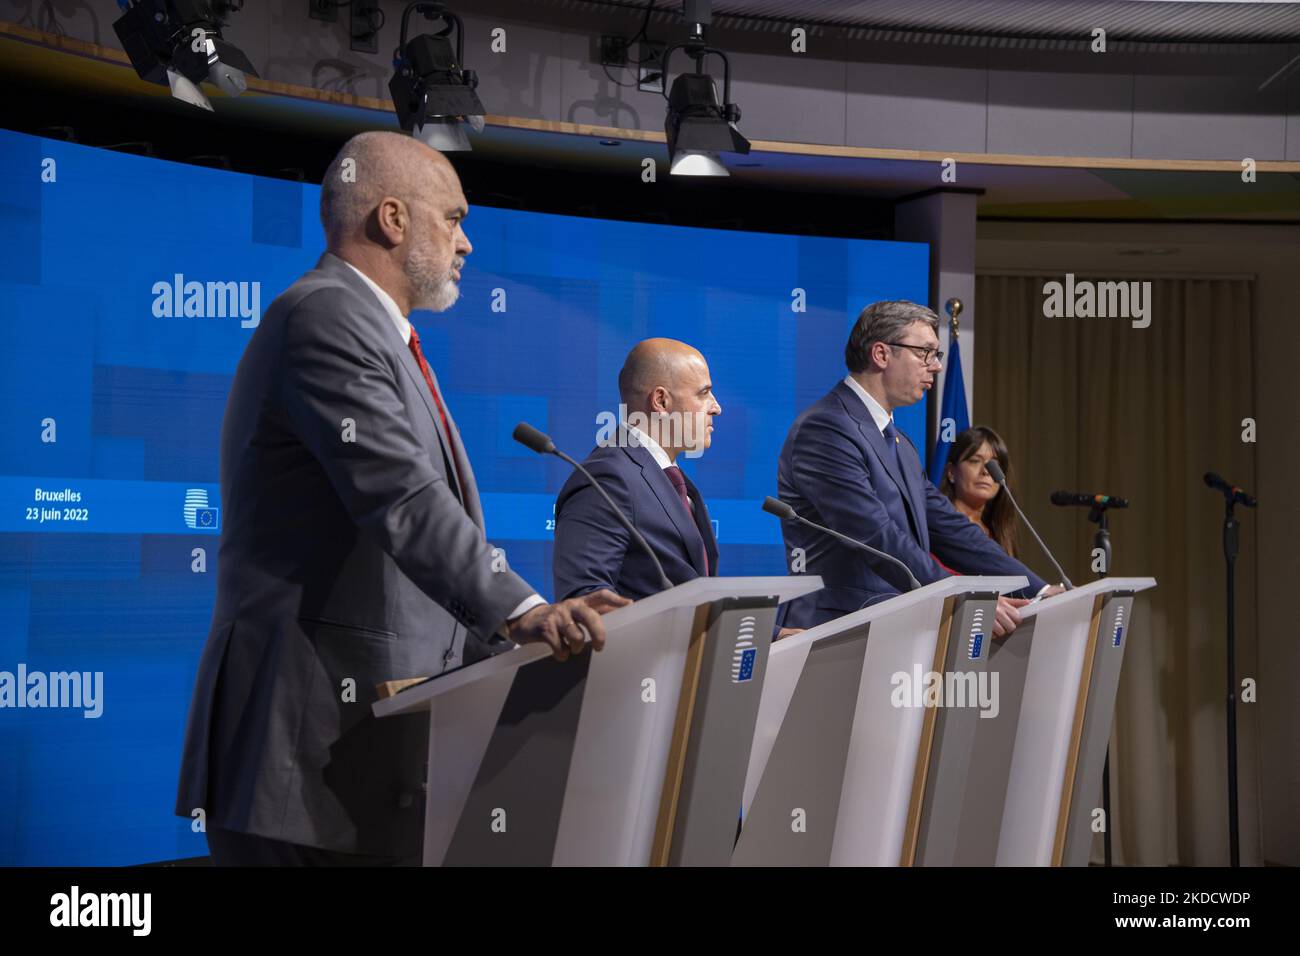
[592,550]
[834,470]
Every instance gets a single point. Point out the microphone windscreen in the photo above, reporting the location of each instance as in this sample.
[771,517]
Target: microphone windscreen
[775,506]
[1214,480]
[995,471]
[530,437]
[1062,498]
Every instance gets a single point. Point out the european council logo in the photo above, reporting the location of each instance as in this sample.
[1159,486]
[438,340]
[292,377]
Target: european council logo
[1117,635]
[742,660]
[975,642]
[198,514]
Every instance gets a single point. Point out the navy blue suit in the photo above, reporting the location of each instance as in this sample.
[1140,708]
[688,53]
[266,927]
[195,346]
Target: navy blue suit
[835,470]
[592,550]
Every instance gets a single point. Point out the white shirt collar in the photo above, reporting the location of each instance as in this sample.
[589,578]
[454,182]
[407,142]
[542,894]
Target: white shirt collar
[402,324]
[656,450]
[878,413]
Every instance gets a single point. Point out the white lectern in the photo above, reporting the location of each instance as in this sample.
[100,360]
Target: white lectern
[1058,674]
[632,756]
[849,765]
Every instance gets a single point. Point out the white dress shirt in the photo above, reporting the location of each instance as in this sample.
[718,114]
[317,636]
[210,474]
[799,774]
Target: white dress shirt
[403,326]
[400,322]
[878,413]
[649,444]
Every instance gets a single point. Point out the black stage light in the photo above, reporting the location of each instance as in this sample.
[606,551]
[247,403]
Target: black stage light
[699,127]
[433,95]
[178,43]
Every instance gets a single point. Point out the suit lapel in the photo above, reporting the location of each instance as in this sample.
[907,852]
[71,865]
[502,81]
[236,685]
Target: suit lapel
[703,524]
[452,441]
[663,489]
[911,466]
[876,441]
[335,266]
[470,491]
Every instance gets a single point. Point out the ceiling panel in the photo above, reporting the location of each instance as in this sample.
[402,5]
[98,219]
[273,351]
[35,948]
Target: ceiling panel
[1148,20]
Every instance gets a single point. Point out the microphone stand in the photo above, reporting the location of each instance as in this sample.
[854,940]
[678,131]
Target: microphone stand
[1101,540]
[1231,495]
[1230,541]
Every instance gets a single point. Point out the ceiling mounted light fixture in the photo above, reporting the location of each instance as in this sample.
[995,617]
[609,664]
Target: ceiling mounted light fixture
[178,43]
[432,93]
[699,127]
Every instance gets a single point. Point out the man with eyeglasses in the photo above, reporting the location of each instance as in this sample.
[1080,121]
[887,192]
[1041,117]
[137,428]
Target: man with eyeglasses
[845,466]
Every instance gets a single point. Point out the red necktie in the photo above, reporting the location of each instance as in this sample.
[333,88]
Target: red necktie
[679,482]
[437,400]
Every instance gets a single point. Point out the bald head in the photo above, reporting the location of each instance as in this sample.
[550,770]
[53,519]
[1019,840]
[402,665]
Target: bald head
[656,363]
[371,166]
[392,207]
[665,386]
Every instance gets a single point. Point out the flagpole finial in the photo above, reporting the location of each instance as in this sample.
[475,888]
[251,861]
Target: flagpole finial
[954,308]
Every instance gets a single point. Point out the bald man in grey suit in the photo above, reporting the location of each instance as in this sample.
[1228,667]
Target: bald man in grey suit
[353,550]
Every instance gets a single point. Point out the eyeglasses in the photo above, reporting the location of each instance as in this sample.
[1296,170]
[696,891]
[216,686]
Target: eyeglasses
[927,354]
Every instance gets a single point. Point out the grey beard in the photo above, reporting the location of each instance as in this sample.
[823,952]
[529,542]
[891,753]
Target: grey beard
[438,296]
[433,291]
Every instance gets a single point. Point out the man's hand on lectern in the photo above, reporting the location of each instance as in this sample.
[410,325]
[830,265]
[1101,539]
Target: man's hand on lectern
[565,625]
[1008,615]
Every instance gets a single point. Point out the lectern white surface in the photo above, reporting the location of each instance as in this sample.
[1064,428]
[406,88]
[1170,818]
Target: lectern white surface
[579,749]
[1076,650]
[827,704]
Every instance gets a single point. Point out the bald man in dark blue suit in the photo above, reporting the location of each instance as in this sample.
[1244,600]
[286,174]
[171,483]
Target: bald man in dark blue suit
[844,465]
[669,408]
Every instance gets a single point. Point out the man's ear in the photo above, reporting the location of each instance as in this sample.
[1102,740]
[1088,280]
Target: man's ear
[881,357]
[392,220]
[660,399]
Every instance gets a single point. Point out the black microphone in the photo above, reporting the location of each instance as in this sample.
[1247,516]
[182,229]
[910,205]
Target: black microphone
[541,443]
[995,472]
[1066,498]
[529,436]
[1231,493]
[775,506]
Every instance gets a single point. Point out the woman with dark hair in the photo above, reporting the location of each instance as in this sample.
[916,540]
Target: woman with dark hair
[973,492]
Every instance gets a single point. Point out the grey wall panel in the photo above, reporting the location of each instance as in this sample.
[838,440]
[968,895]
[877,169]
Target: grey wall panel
[524,80]
[291,48]
[1208,117]
[900,106]
[792,97]
[1292,94]
[599,97]
[1059,114]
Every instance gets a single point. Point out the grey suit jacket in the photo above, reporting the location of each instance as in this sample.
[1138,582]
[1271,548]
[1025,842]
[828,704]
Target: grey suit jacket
[346,560]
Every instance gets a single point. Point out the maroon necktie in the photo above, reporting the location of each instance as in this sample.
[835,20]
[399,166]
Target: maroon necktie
[679,482]
[437,400]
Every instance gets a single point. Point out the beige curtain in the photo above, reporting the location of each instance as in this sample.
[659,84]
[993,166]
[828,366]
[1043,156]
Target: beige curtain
[1095,405]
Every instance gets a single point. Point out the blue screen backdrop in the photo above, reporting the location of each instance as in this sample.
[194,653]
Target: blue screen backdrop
[110,416]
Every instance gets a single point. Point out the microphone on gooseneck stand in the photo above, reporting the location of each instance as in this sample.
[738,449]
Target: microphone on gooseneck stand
[541,443]
[995,472]
[775,506]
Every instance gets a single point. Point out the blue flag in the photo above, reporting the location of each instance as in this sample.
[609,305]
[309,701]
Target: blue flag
[953,407]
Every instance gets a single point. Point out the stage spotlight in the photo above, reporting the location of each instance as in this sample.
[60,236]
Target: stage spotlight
[178,43]
[698,126]
[433,95]
[699,129]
